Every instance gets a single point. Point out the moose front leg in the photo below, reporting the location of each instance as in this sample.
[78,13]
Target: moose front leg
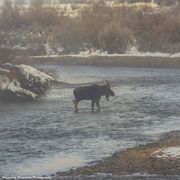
[92,105]
[98,105]
[76,102]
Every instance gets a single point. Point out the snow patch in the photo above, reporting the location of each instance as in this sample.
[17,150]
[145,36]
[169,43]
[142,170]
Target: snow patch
[92,52]
[19,46]
[19,91]
[129,53]
[13,90]
[176,55]
[171,152]
[4,83]
[4,72]
[28,72]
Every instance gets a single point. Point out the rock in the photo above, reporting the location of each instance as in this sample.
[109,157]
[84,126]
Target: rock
[12,92]
[7,65]
[32,79]
[4,72]
[22,83]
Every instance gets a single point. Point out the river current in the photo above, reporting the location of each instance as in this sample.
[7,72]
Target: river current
[46,136]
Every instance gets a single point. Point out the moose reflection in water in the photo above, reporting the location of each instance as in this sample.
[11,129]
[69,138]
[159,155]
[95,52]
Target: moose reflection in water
[93,93]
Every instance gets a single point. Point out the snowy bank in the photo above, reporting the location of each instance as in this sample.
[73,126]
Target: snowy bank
[140,159]
[132,52]
[136,59]
[171,152]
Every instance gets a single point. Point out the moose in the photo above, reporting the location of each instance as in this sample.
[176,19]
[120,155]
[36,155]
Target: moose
[93,93]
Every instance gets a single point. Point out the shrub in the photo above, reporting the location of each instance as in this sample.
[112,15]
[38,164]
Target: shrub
[115,39]
[112,29]
[6,55]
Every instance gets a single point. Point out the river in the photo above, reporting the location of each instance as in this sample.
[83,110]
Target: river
[46,136]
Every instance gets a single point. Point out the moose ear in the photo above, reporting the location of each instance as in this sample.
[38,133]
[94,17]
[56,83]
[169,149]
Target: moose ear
[106,82]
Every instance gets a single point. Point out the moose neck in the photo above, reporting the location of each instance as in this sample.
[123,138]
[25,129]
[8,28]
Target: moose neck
[103,90]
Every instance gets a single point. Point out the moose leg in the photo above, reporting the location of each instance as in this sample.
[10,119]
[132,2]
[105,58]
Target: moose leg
[76,102]
[98,105]
[92,105]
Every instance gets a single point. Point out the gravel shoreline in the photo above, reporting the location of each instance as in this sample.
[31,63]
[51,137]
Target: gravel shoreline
[140,159]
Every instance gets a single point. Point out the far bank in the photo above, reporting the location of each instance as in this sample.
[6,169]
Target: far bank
[104,60]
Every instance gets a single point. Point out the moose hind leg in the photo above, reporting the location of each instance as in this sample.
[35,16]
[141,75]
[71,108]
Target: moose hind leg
[98,105]
[76,102]
[92,105]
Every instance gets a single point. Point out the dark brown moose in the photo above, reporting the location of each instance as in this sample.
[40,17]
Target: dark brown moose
[93,93]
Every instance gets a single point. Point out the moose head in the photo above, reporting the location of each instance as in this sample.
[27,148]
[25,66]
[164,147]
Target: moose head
[107,90]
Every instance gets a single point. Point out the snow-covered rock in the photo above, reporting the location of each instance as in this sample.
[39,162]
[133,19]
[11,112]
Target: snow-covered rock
[11,91]
[22,82]
[31,78]
[4,72]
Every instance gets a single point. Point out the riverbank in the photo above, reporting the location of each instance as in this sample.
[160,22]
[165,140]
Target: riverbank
[161,158]
[149,61]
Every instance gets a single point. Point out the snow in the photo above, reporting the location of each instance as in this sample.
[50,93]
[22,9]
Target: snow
[4,71]
[171,152]
[4,82]
[19,91]
[28,72]
[84,54]
[14,87]
[129,53]
[48,49]
[29,82]
[19,46]
[176,55]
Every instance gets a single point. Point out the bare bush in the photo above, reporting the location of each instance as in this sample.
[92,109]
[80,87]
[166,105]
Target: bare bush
[111,29]
[6,55]
[114,38]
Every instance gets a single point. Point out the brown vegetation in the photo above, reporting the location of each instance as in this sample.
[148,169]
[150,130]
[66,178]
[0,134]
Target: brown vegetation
[6,55]
[112,29]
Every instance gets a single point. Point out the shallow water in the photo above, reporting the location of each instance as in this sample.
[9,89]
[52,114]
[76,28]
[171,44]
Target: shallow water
[46,136]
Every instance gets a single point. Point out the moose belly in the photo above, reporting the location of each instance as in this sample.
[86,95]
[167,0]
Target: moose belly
[86,93]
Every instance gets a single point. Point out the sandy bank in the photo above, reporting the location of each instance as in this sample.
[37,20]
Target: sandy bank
[115,60]
[142,159]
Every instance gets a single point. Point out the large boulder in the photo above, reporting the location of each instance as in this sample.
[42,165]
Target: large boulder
[22,82]
[12,92]
[31,78]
